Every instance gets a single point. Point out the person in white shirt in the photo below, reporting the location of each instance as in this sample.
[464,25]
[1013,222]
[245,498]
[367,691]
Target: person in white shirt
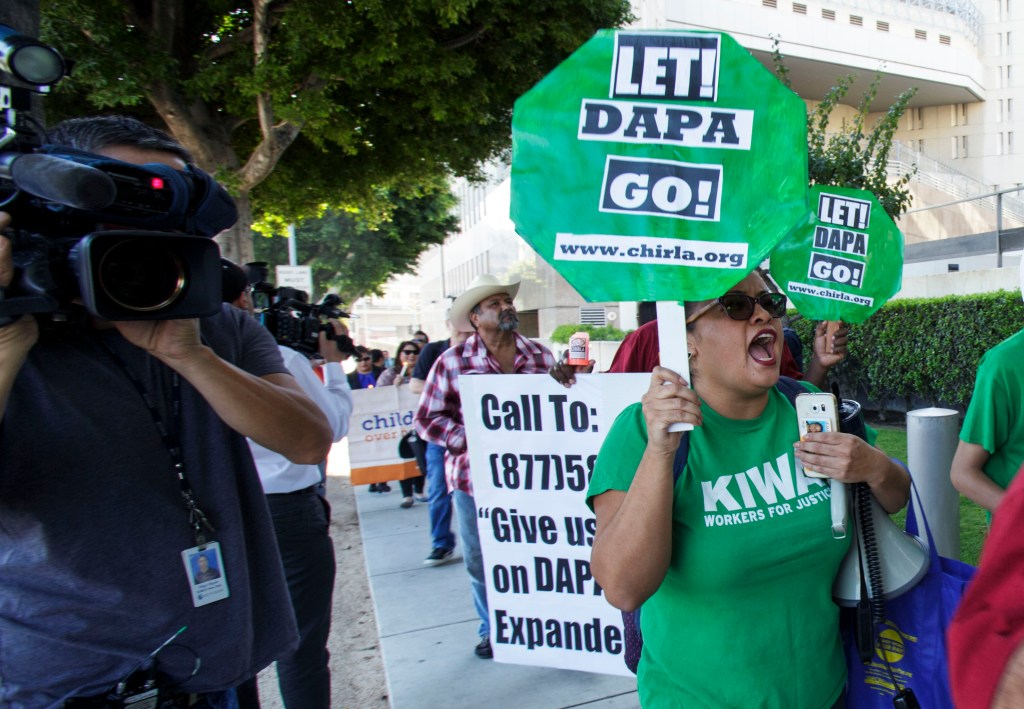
[301,516]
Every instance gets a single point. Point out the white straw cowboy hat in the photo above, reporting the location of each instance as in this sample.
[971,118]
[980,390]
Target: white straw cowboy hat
[483,286]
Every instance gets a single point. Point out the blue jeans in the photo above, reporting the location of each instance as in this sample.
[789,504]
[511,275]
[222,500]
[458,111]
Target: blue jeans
[465,507]
[439,500]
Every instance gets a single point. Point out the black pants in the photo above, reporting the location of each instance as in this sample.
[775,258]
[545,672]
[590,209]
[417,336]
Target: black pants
[416,484]
[307,553]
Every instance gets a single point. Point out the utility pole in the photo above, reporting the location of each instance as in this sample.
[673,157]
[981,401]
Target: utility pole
[293,259]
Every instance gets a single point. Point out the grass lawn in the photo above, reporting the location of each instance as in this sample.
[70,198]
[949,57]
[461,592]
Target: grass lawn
[893,440]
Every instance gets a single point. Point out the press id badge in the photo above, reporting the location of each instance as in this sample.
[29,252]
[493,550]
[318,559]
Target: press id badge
[207,578]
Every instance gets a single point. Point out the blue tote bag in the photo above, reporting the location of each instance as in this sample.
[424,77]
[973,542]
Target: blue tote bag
[913,636]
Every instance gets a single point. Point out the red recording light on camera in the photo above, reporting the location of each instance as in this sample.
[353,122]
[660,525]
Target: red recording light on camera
[157,183]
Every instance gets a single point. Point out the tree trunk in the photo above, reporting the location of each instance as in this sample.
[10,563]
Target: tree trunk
[22,15]
[236,242]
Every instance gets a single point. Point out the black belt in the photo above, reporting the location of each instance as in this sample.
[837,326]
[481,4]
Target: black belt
[311,490]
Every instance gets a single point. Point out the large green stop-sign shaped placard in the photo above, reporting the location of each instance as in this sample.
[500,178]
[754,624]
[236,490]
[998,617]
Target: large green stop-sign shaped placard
[846,262]
[658,165]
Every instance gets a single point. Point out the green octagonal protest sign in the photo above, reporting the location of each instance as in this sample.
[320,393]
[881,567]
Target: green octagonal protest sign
[846,262]
[658,165]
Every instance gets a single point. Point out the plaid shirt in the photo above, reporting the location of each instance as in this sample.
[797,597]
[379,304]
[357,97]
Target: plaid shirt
[439,417]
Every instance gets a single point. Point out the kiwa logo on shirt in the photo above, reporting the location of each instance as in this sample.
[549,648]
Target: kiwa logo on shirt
[762,492]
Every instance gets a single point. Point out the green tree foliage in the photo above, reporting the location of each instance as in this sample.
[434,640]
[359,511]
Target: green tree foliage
[855,155]
[353,257]
[307,103]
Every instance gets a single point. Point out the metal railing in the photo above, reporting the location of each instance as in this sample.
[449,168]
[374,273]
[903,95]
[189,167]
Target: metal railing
[961,186]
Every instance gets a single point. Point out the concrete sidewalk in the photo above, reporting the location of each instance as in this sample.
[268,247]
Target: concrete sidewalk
[428,627]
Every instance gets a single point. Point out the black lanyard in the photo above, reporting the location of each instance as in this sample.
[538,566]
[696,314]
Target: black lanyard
[196,517]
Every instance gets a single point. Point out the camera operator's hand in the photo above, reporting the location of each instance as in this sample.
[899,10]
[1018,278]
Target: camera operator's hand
[173,342]
[17,337]
[329,349]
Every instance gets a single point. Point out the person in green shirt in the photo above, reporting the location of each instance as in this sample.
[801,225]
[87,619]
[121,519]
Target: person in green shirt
[991,447]
[733,563]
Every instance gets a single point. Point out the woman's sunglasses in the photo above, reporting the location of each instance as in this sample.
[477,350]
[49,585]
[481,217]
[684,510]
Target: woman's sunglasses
[410,352]
[364,359]
[739,306]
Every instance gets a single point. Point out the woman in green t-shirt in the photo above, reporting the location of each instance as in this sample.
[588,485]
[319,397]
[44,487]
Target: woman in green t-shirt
[734,562]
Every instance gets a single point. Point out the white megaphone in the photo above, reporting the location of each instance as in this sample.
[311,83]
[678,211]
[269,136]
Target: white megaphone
[903,559]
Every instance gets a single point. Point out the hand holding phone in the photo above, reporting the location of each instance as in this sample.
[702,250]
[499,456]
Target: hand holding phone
[816,413]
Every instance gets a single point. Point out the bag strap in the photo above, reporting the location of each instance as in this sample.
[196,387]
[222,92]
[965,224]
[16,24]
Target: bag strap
[913,512]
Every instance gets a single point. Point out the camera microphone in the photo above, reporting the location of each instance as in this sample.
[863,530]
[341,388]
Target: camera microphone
[63,181]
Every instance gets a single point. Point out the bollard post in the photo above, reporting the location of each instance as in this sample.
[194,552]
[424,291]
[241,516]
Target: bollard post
[932,436]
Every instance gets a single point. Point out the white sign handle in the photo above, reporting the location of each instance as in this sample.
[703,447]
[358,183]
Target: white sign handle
[673,353]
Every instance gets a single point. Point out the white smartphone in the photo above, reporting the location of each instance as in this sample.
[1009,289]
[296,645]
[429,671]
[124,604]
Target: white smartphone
[816,413]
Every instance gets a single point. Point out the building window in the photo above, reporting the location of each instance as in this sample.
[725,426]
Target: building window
[920,147]
[799,8]
[915,119]
[1009,109]
[953,145]
[881,26]
[920,34]
[1009,75]
[856,20]
[999,111]
[963,146]
[999,146]
[1009,143]
[958,114]
[944,39]
[828,14]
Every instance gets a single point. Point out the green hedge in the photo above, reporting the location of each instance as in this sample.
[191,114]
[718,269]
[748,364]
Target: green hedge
[924,348]
[562,333]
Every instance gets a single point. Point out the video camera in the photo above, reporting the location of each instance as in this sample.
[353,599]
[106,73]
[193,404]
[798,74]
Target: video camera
[60,199]
[292,319]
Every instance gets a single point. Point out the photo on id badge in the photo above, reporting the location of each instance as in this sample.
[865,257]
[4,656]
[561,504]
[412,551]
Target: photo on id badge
[207,578]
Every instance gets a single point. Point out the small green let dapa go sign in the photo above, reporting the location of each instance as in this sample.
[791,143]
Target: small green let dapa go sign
[846,262]
[658,165]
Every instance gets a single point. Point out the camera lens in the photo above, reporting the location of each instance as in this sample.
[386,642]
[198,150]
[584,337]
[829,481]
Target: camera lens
[141,276]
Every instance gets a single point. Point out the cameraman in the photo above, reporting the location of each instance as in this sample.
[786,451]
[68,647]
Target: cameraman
[122,458]
[301,516]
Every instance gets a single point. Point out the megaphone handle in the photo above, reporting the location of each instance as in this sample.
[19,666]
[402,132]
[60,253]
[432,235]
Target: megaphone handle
[839,509]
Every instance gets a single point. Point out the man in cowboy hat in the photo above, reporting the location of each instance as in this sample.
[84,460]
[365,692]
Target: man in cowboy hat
[494,348]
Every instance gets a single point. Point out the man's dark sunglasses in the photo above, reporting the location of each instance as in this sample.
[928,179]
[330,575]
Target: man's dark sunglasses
[365,359]
[739,306]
